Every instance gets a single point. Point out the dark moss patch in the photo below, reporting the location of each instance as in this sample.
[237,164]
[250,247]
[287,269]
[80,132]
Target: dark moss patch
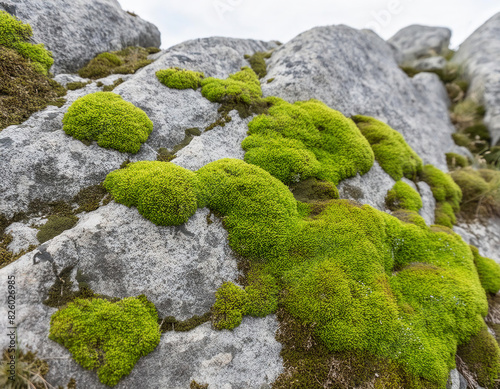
[455,161]
[312,190]
[482,356]
[6,256]
[109,88]
[164,155]
[257,62]
[77,85]
[270,80]
[91,198]
[30,370]
[170,323]
[126,61]
[55,226]
[196,385]
[23,90]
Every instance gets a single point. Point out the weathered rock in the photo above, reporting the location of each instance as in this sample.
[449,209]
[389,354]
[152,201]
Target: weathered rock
[76,30]
[456,380]
[118,253]
[39,161]
[431,64]
[23,237]
[479,56]
[428,202]
[417,41]
[355,72]
[485,235]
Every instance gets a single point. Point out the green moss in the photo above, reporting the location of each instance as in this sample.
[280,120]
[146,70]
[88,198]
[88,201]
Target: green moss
[107,336]
[455,161]
[163,192]
[109,88]
[170,323]
[447,194]
[126,61]
[270,80]
[461,139]
[312,190]
[108,119]
[297,141]
[54,226]
[262,293]
[482,356]
[229,307]
[488,270]
[196,385]
[16,35]
[180,78]
[257,62]
[480,190]
[478,131]
[403,196]
[243,86]
[23,89]
[76,85]
[390,148]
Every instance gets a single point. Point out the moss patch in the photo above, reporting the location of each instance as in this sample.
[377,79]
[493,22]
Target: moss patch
[107,336]
[177,78]
[109,88]
[16,35]
[297,141]
[390,148]
[170,323]
[257,62]
[24,90]
[108,119]
[447,194]
[403,196]
[76,85]
[126,61]
[162,192]
[488,271]
[455,161]
[54,226]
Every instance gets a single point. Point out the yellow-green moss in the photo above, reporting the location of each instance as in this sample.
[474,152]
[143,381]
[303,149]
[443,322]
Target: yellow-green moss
[390,148]
[403,196]
[108,119]
[257,62]
[447,194]
[126,61]
[16,35]
[297,141]
[107,336]
[180,78]
[163,192]
[229,307]
[488,271]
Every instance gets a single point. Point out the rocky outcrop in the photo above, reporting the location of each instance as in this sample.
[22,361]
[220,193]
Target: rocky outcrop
[485,235]
[76,30]
[478,56]
[356,73]
[416,42]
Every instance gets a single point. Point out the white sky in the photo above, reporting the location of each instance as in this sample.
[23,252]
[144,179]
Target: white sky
[282,20]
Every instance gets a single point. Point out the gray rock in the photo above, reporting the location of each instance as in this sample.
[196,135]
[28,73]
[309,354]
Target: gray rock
[479,56]
[64,78]
[428,202]
[431,64]
[119,253]
[76,30]
[456,380]
[485,235]
[417,41]
[355,72]
[39,161]
[23,236]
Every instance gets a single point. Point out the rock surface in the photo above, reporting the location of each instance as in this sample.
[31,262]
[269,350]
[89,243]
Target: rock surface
[479,57]
[485,235]
[119,253]
[417,41]
[76,30]
[356,73]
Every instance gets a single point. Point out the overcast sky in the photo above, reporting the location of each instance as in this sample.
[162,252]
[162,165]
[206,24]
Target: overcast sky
[282,20]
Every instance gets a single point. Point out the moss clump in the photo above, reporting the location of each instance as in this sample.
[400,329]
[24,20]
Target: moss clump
[196,385]
[126,61]
[390,148]
[488,270]
[180,78]
[107,336]
[403,196]
[76,85]
[29,370]
[16,35]
[23,89]
[229,307]
[257,62]
[311,190]
[455,161]
[108,119]
[163,192]
[447,194]
[262,293]
[109,88]
[297,141]
[54,226]
[482,356]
